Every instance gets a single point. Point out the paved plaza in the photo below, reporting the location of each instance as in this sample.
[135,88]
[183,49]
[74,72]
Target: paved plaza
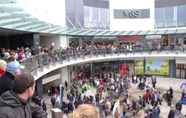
[134,92]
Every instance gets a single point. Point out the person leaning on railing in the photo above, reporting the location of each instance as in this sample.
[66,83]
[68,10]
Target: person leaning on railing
[66,54]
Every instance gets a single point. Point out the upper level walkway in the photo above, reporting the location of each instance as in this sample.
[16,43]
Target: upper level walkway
[42,64]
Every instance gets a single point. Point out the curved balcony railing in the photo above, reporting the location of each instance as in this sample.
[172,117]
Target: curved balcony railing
[41,61]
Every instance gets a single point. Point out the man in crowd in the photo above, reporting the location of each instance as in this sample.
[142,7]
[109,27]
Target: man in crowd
[153,79]
[14,104]
[7,82]
[176,113]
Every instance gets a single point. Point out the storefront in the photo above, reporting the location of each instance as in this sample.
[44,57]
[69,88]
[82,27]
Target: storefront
[181,71]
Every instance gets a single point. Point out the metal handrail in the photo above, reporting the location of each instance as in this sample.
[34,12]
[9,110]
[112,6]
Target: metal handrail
[41,60]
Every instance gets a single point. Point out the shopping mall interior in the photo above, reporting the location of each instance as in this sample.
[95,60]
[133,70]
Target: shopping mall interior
[93,58]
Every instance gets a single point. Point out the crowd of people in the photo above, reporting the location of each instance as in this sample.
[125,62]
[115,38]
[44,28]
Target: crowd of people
[23,53]
[17,88]
[101,91]
[37,57]
[20,53]
[111,96]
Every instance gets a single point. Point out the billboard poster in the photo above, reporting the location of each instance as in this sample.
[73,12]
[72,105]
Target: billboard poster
[139,67]
[123,69]
[157,67]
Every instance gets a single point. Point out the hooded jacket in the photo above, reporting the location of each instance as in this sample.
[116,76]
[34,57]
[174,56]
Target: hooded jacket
[6,82]
[12,107]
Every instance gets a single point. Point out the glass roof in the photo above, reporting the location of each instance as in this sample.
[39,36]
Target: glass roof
[13,17]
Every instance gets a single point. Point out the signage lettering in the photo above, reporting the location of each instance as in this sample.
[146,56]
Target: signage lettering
[132,13]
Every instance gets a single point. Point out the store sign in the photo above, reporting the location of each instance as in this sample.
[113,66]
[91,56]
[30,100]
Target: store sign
[153,37]
[128,38]
[131,13]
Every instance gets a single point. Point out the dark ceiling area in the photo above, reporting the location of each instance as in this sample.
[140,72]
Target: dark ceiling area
[8,32]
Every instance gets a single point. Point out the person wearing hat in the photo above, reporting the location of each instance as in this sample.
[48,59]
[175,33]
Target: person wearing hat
[15,103]
[7,79]
[3,65]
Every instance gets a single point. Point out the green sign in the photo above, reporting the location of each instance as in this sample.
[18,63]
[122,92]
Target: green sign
[157,67]
[139,67]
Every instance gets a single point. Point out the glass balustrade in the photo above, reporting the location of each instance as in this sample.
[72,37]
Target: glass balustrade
[42,60]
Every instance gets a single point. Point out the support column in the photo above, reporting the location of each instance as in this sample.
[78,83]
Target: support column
[36,43]
[36,40]
[65,75]
[144,65]
[172,68]
[80,42]
[64,42]
[39,87]
[91,69]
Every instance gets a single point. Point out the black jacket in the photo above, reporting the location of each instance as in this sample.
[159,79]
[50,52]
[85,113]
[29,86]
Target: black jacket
[6,82]
[12,107]
[37,111]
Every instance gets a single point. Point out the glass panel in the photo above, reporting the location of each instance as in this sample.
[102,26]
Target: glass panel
[96,17]
[181,15]
[170,16]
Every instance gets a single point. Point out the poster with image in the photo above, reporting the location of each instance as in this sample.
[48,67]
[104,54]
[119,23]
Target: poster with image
[157,67]
[139,67]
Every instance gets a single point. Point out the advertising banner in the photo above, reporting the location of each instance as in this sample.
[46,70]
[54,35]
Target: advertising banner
[157,67]
[139,67]
[123,69]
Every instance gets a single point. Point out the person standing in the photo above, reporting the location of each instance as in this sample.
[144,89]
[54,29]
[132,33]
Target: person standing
[153,79]
[15,103]
[119,108]
[169,96]
[3,65]
[176,113]
[7,79]
[155,111]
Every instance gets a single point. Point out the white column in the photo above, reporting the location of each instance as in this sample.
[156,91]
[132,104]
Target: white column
[175,16]
[65,75]
[64,42]
[36,40]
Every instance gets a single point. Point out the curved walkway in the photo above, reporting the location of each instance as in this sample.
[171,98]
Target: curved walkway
[42,70]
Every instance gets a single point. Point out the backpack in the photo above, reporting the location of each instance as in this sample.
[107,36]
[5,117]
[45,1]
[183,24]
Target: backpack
[171,114]
[53,100]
